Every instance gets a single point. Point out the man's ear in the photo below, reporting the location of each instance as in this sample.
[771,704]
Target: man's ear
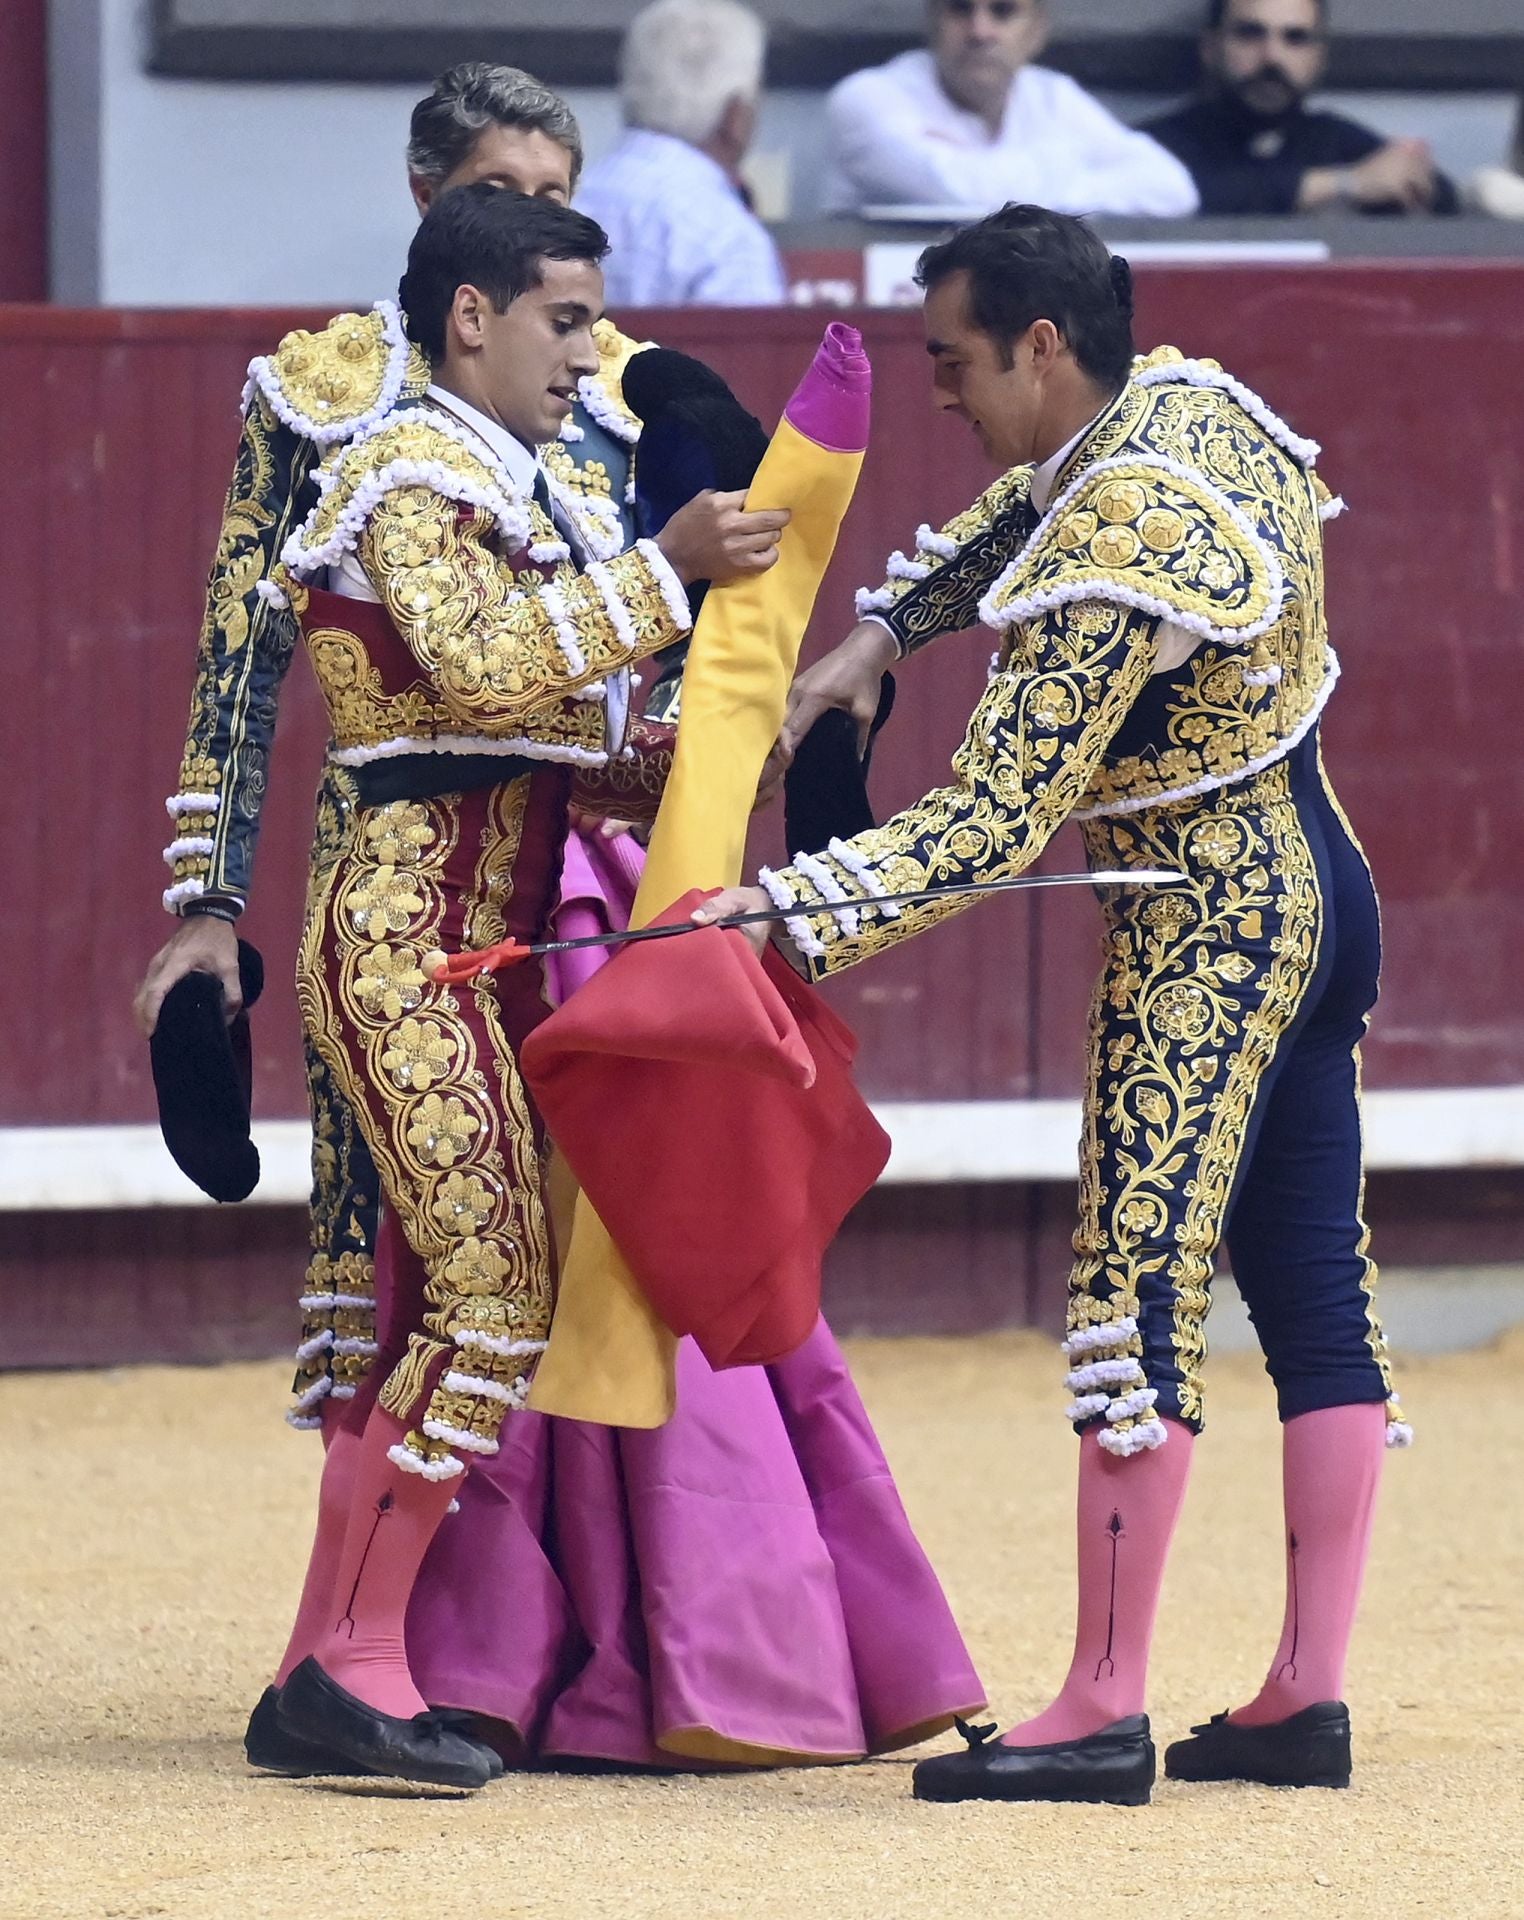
[468,312]
[422,191]
[1045,344]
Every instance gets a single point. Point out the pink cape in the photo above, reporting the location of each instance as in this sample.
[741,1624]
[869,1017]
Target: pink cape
[740,1586]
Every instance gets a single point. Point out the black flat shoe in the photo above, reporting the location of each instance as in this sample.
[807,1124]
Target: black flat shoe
[1115,1765]
[428,1748]
[1311,1749]
[268,1746]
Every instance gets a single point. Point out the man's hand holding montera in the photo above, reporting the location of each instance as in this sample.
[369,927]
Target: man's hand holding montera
[714,538]
[202,943]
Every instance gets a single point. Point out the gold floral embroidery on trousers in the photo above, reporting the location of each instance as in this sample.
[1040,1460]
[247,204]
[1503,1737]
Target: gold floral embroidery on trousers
[1200,985]
[432,1074]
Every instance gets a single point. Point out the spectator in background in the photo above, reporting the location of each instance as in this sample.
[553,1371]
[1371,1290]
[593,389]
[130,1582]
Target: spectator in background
[969,122]
[670,196]
[1252,145]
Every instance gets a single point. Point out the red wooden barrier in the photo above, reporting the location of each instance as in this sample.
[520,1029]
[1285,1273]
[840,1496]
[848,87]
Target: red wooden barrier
[118,429]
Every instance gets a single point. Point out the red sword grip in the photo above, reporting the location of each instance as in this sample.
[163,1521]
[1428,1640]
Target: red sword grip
[456,969]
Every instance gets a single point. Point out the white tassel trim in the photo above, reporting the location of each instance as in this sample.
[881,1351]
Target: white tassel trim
[1087,1406]
[1142,1438]
[411,1462]
[467,743]
[873,600]
[782,896]
[1066,592]
[825,882]
[899,568]
[604,411]
[1195,374]
[319,1343]
[1104,1373]
[317,1302]
[928,540]
[596,520]
[263,377]
[304,1422]
[181,803]
[459,1437]
[272,595]
[1332,508]
[309,1396]
[1112,1333]
[503,502]
[1128,1406]
[547,553]
[343,1393]
[1265,677]
[182,891]
[483,1389]
[862,869]
[1212,781]
[1399,1434]
[569,431]
[672,589]
[190,843]
[497,1343]
[349,1344]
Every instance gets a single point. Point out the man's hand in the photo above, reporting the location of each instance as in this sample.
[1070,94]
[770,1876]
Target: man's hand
[736,900]
[1399,174]
[713,538]
[848,678]
[202,943]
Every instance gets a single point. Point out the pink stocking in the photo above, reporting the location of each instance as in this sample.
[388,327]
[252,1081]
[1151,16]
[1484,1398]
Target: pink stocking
[1331,1464]
[1127,1510]
[393,1515]
[315,1607]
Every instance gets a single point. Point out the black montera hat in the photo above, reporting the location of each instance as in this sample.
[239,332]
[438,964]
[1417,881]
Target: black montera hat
[203,1074]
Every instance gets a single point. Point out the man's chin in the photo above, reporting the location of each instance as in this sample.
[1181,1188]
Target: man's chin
[1269,101]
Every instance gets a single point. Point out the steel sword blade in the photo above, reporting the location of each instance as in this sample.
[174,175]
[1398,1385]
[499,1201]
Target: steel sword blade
[919,896]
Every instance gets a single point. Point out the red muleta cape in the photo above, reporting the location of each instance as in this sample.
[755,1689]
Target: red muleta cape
[704,1100]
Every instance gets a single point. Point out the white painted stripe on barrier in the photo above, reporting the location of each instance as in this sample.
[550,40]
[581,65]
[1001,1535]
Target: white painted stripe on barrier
[936,1143]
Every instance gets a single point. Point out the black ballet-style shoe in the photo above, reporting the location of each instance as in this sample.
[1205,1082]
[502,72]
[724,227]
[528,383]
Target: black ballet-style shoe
[268,1746]
[1115,1766]
[430,1748]
[1311,1749]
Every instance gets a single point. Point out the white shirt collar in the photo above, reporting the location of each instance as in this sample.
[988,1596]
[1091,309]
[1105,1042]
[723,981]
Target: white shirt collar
[521,464]
[1043,476]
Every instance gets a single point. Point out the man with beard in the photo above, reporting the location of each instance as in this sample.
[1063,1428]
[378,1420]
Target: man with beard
[1253,146]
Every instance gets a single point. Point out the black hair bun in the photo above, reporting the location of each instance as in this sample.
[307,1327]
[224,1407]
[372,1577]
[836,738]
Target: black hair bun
[1121,285]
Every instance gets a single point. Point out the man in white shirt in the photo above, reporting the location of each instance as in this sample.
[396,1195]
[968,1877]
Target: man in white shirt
[969,122]
[669,196]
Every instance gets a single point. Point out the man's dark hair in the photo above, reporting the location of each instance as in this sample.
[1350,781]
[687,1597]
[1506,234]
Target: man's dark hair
[1026,264]
[475,95]
[483,236]
[1217,13]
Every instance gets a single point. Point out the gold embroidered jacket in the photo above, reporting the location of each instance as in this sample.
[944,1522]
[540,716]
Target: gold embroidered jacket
[314,393]
[485,642]
[1188,500]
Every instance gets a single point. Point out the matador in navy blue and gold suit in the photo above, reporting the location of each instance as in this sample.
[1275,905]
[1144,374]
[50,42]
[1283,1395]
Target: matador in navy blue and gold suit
[1164,661]
[310,397]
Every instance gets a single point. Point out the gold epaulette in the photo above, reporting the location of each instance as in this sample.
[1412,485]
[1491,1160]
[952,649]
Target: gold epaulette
[331,385]
[414,449]
[1141,530]
[603,392]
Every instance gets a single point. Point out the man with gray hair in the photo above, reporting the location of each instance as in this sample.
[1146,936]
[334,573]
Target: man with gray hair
[670,196]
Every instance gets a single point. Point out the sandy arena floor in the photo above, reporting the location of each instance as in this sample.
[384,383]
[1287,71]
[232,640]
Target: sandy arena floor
[154,1526]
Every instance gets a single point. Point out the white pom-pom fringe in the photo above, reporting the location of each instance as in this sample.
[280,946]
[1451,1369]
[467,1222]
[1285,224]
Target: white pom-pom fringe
[1104,1373]
[410,1462]
[1399,1434]
[1142,1438]
[1110,1333]
[458,1437]
[271,594]
[782,896]
[496,1343]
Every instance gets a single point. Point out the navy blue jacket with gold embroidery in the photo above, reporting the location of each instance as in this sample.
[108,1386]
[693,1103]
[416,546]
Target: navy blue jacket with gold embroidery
[1189,501]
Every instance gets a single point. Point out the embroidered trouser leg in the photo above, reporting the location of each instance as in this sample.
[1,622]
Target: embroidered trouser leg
[432,1077]
[338,1303]
[1208,993]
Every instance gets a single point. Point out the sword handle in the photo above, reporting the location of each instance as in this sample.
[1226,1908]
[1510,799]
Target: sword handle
[457,969]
